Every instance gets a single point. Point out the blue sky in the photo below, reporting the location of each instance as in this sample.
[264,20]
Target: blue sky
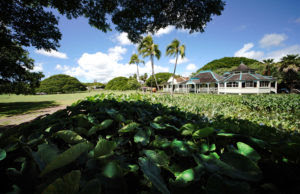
[256,29]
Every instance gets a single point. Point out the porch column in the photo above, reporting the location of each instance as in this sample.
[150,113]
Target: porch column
[207,87]
[258,85]
[195,88]
[275,87]
[225,87]
[218,88]
[240,88]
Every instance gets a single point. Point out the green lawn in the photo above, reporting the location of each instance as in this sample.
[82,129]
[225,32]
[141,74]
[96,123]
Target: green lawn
[18,104]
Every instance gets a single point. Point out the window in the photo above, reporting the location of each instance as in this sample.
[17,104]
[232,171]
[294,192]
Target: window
[232,84]
[249,84]
[273,84]
[264,84]
[237,72]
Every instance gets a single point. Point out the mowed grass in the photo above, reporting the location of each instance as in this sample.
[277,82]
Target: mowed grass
[11,105]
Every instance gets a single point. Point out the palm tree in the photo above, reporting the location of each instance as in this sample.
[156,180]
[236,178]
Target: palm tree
[268,63]
[135,60]
[175,49]
[289,69]
[148,48]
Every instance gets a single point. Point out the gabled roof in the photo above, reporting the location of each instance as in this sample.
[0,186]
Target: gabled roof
[181,79]
[206,77]
[247,77]
[242,67]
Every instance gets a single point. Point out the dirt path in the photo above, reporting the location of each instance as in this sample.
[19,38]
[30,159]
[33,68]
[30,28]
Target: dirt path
[11,121]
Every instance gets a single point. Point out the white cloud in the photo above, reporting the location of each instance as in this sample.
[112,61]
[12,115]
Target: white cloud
[191,67]
[105,66]
[62,68]
[278,54]
[38,67]
[270,40]
[52,53]
[246,52]
[123,39]
[179,61]
[165,30]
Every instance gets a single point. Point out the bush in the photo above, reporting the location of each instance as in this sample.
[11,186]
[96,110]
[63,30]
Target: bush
[60,84]
[160,77]
[122,83]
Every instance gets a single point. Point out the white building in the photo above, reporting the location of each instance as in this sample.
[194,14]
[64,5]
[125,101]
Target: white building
[242,80]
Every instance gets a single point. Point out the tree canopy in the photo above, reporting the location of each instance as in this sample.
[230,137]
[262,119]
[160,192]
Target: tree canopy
[161,78]
[61,84]
[15,72]
[229,63]
[122,83]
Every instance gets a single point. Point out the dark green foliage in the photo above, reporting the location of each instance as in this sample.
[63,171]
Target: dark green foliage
[60,84]
[161,78]
[229,63]
[122,83]
[96,85]
[15,72]
[140,149]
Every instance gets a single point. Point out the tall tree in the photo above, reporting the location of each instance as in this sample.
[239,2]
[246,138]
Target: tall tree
[135,60]
[16,74]
[289,70]
[175,49]
[267,69]
[148,48]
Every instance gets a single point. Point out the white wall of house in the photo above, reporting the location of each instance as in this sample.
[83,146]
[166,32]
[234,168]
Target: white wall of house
[248,90]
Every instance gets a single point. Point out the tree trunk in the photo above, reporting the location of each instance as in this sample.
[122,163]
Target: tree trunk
[174,73]
[153,73]
[138,76]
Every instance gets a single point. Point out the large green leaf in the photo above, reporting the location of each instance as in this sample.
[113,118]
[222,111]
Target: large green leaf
[68,184]
[243,165]
[2,154]
[188,129]
[157,126]
[103,125]
[218,184]
[152,172]
[180,147]
[205,132]
[67,157]
[234,165]
[159,157]
[112,170]
[142,136]
[104,147]
[248,151]
[129,128]
[189,175]
[45,154]
[69,136]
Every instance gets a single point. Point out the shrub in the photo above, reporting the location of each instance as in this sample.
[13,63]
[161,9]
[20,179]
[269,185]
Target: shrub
[60,84]
[160,77]
[122,83]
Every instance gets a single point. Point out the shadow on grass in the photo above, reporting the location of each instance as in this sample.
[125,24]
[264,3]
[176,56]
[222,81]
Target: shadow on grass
[15,108]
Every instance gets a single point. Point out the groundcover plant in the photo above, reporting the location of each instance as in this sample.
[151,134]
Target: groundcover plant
[133,144]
